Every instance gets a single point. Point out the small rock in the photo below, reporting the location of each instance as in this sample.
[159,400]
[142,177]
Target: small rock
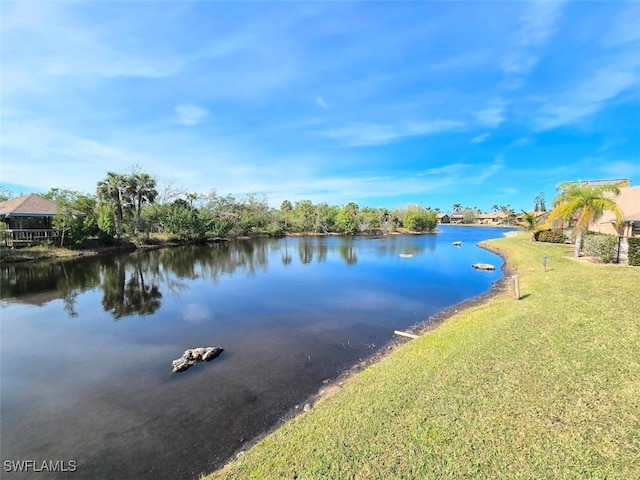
[195,355]
[307,407]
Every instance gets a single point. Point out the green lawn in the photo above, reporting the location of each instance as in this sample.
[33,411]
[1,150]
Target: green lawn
[544,387]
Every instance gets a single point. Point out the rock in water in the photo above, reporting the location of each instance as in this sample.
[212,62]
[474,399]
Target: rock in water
[195,355]
[483,266]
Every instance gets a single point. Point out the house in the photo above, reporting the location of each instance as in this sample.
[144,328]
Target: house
[629,203]
[444,218]
[456,218]
[490,218]
[29,220]
[541,217]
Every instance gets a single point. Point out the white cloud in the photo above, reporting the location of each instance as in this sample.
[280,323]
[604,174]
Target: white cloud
[592,94]
[519,64]
[621,169]
[480,138]
[539,22]
[367,134]
[189,114]
[493,115]
[321,102]
[521,142]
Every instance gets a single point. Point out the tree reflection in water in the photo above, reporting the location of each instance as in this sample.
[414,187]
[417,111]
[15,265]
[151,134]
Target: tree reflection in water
[133,284]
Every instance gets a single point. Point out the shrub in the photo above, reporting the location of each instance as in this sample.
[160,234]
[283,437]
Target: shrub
[603,247]
[418,219]
[551,236]
[634,251]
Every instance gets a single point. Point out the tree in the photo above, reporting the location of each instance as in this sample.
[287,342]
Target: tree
[5,194]
[75,217]
[495,208]
[457,207]
[347,219]
[468,215]
[585,205]
[417,219]
[304,211]
[286,209]
[539,203]
[112,190]
[141,188]
[530,222]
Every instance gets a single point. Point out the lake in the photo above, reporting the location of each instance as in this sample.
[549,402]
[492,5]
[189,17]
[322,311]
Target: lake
[87,345]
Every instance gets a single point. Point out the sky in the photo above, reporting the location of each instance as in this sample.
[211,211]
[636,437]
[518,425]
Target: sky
[381,103]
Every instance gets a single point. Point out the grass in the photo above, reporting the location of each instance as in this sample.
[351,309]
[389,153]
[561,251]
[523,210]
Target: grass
[544,387]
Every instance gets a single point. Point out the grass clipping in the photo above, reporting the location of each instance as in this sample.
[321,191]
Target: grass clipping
[543,387]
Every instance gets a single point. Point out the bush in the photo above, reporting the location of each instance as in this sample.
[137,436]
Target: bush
[550,236]
[634,251]
[603,247]
[419,220]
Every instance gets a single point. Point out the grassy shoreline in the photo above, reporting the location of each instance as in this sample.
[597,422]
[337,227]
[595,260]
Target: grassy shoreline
[544,387]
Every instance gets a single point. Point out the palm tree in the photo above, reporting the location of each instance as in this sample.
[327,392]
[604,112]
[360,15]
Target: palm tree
[586,204]
[142,188]
[286,209]
[457,207]
[112,190]
[530,222]
[495,208]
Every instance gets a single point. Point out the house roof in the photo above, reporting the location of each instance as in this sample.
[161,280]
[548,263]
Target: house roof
[31,205]
[442,215]
[484,216]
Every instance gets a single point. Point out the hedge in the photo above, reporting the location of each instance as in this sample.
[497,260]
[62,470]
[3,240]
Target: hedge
[634,251]
[550,236]
[604,248]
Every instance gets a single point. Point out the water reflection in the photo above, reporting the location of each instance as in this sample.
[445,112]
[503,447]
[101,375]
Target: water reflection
[134,284]
[290,314]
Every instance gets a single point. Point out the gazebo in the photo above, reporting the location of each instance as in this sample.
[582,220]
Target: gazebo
[29,220]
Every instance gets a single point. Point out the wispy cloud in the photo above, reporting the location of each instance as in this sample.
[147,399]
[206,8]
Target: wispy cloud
[480,138]
[189,114]
[538,23]
[365,134]
[621,169]
[321,102]
[591,94]
[493,115]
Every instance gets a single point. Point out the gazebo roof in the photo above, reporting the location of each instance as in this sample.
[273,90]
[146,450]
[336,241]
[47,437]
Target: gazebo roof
[31,205]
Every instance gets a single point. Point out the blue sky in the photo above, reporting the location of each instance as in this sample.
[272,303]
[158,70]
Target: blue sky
[478,103]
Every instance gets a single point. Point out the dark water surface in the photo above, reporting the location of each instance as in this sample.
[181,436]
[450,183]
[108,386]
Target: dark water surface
[86,346]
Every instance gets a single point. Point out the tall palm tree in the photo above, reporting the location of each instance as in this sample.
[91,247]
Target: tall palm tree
[495,208]
[586,204]
[141,187]
[112,190]
[286,209]
[457,207]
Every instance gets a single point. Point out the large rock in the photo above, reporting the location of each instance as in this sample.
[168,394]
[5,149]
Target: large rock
[195,355]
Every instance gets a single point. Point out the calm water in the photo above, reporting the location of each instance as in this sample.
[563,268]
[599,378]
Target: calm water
[87,345]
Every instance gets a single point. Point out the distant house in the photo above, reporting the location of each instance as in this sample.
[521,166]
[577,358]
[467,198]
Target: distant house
[444,218]
[29,220]
[456,218]
[541,217]
[490,218]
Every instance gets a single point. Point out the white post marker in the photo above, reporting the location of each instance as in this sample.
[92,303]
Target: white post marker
[516,287]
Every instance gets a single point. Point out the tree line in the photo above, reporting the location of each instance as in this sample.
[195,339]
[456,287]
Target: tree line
[132,206]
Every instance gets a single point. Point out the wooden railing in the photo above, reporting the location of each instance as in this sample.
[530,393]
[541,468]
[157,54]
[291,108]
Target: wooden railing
[26,237]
